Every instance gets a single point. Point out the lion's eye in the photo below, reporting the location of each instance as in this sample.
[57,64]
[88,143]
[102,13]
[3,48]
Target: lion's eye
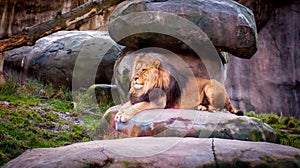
[144,70]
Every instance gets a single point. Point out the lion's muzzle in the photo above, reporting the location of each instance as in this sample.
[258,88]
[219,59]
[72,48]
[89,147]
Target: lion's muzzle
[138,86]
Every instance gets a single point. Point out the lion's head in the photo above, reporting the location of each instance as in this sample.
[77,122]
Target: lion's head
[147,74]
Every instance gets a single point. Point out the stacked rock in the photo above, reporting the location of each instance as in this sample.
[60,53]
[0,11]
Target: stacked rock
[188,34]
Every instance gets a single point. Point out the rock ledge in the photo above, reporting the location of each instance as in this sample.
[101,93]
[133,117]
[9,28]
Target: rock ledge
[190,123]
[161,152]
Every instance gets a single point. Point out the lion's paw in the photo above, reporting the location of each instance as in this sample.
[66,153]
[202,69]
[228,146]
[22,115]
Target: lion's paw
[122,117]
[201,107]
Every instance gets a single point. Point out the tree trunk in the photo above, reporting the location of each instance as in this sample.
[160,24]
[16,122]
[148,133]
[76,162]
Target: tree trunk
[67,21]
[2,79]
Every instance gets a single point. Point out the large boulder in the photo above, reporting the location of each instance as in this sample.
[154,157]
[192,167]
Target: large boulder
[230,26]
[270,81]
[78,58]
[189,123]
[161,152]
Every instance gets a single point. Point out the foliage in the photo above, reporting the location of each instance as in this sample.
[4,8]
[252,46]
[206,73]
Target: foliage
[287,128]
[89,109]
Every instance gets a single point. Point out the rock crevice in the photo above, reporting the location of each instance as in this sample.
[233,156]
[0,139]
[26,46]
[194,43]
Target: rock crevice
[214,153]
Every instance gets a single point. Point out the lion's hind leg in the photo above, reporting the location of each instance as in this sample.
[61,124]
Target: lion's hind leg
[231,109]
[214,96]
[218,99]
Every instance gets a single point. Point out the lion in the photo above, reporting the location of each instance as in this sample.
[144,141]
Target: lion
[154,87]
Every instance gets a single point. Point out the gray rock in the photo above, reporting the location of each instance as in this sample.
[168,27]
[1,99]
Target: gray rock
[161,152]
[270,81]
[191,123]
[230,26]
[71,58]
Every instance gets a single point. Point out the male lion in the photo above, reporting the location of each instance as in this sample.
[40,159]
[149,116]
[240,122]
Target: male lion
[154,87]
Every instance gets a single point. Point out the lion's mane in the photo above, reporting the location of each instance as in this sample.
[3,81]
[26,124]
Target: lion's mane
[157,81]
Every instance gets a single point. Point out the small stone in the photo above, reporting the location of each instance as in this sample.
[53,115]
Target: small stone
[4,103]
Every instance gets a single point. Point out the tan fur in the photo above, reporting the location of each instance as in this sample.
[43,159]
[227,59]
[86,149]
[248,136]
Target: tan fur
[151,79]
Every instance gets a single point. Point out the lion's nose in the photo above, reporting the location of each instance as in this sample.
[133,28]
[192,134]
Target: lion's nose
[136,78]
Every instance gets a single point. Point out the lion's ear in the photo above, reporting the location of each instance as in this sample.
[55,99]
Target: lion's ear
[156,63]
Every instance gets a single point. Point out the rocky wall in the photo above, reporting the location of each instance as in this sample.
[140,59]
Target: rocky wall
[270,80]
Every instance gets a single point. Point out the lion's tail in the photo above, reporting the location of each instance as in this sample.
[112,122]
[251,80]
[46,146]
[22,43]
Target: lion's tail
[230,108]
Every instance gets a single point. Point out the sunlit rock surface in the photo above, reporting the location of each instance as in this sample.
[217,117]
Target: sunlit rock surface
[161,152]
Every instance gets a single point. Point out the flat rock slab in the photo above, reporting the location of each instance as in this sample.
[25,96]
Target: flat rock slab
[170,23]
[190,123]
[161,152]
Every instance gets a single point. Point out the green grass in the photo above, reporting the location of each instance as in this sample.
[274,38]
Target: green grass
[287,128]
[31,119]
[90,111]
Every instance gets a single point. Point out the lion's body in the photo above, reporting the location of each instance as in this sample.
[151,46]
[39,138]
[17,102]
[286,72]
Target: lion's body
[153,87]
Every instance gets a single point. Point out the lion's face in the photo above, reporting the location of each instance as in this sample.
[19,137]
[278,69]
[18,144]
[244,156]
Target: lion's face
[146,75]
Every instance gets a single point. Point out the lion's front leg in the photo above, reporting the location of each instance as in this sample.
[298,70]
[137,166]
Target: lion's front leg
[127,111]
[157,99]
[124,107]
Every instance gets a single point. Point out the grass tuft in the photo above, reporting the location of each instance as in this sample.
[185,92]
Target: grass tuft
[287,128]
[90,110]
